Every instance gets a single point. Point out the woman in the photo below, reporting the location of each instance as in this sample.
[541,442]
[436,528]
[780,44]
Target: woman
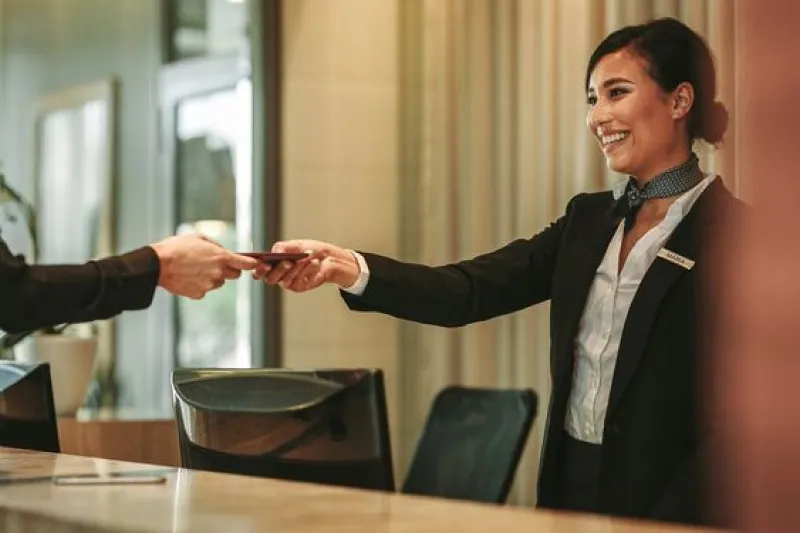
[624,271]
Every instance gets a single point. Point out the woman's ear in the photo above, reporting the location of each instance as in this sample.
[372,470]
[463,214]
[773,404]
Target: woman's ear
[682,100]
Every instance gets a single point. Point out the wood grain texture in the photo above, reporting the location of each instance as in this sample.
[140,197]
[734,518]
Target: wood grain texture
[140,441]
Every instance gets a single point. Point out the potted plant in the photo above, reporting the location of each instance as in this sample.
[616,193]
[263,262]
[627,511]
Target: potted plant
[70,349]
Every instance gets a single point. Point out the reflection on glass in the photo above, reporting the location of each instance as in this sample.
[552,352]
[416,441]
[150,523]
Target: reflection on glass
[72,165]
[213,198]
[208,27]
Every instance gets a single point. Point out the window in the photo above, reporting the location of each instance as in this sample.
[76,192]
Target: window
[208,28]
[207,110]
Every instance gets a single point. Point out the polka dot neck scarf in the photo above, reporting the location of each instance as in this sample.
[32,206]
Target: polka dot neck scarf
[671,182]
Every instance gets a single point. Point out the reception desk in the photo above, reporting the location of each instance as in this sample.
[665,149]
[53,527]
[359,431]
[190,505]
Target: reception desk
[202,502]
[123,435]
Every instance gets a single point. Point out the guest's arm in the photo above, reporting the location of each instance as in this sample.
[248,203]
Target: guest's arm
[39,296]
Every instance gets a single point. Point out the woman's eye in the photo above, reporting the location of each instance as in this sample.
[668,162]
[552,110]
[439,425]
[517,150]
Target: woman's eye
[616,93]
[591,99]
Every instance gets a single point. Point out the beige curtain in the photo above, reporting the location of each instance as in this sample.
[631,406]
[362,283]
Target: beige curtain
[493,144]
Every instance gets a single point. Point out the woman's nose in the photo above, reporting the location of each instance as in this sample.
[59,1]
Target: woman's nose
[598,115]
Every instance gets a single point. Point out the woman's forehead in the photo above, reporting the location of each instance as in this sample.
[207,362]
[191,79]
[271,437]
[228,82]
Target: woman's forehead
[622,64]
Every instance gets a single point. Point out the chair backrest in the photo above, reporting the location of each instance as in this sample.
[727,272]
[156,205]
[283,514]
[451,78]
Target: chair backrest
[319,426]
[471,444]
[27,411]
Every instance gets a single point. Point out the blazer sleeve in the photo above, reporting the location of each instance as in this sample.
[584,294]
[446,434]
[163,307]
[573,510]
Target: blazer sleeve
[39,296]
[511,278]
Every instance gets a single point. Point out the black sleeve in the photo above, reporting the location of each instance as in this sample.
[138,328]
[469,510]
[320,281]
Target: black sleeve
[511,278]
[35,296]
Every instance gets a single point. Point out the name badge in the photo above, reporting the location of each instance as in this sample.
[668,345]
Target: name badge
[678,259]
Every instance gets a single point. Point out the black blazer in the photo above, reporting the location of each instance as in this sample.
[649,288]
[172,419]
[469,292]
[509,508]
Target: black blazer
[34,296]
[655,432]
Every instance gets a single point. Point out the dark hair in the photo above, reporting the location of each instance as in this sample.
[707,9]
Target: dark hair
[674,54]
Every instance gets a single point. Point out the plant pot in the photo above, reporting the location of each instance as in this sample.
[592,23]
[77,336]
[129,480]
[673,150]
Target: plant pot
[71,362]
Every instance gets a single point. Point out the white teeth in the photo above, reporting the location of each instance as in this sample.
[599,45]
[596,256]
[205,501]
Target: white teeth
[608,139]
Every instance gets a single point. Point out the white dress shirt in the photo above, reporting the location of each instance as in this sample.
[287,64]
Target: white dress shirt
[358,287]
[603,318]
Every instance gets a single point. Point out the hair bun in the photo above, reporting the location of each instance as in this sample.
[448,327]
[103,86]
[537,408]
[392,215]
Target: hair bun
[715,123]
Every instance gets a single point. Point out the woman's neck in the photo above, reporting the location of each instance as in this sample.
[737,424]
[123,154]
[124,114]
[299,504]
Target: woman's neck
[678,158]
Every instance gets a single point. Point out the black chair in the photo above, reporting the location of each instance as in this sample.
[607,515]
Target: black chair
[471,444]
[27,412]
[324,426]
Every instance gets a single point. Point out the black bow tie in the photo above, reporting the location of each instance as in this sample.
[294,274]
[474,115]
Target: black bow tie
[671,182]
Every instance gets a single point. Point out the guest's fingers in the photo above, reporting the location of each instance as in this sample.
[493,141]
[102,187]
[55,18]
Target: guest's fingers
[261,271]
[231,273]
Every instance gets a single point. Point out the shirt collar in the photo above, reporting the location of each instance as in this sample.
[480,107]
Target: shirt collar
[619,189]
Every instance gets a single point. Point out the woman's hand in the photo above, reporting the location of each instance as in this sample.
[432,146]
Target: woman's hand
[326,263]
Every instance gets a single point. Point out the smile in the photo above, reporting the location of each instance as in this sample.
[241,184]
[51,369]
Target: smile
[608,140]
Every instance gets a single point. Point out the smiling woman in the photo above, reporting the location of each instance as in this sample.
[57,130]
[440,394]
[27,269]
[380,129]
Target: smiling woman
[631,281]
[651,91]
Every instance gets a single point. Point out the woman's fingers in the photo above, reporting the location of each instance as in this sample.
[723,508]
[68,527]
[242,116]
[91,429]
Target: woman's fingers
[304,280]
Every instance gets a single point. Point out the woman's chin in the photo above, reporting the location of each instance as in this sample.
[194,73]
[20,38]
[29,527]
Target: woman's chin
[619,165]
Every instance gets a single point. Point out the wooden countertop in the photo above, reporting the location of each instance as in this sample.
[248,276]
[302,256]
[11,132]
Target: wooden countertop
[201,502]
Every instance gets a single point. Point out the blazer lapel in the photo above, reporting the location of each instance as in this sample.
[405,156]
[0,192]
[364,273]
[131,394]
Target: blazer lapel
[580,266]
[662,274]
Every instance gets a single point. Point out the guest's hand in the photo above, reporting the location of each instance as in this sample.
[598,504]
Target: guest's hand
[192,265]
[326,263]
